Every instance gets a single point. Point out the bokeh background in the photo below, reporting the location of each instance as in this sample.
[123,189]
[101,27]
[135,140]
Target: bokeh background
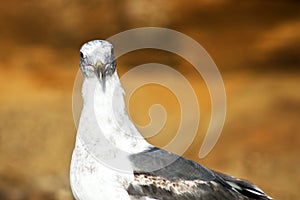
[255,44]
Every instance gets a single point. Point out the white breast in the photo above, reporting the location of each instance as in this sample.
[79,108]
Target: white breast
[91,180]
[100,168]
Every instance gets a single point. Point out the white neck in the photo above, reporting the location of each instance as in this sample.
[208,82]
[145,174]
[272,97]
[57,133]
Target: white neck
[104,112]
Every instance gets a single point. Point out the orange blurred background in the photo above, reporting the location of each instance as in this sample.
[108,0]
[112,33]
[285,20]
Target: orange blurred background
[255,44]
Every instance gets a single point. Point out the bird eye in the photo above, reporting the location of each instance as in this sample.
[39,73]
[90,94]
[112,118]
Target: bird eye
[114,63]
[81,55]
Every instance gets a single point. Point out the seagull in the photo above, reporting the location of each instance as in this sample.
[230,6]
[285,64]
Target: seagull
[112,161]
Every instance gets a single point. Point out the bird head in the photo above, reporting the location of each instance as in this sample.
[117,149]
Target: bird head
[97,60]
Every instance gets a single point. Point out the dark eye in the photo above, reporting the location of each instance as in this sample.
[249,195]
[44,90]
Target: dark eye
[81,55]
[114,63]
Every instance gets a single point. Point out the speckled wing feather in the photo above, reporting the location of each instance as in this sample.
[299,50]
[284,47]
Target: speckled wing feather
[184,179]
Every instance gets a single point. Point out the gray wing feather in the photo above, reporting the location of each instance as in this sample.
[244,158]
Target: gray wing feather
[170,166]
[170,170]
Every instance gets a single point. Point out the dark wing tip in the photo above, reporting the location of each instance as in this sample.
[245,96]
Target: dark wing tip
[244,187]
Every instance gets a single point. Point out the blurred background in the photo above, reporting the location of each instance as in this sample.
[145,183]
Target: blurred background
[255,44]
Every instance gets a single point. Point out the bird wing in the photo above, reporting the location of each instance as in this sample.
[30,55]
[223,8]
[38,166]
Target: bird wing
[244,187]
[163,175]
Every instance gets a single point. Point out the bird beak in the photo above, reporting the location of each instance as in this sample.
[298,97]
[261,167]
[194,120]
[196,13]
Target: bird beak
[100,73]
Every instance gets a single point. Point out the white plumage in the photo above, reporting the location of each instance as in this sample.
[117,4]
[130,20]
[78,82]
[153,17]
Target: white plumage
[103,132]
[112,161]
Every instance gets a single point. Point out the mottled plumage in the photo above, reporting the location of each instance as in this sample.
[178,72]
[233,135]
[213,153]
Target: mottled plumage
[184,179]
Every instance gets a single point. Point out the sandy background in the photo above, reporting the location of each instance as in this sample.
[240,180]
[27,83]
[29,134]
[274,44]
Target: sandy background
[255,44]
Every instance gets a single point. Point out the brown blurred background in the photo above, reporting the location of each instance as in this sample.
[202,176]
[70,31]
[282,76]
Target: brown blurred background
[256,45]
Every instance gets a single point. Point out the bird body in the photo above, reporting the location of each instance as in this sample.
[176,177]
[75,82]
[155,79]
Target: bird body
[111,160]
[90,175]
